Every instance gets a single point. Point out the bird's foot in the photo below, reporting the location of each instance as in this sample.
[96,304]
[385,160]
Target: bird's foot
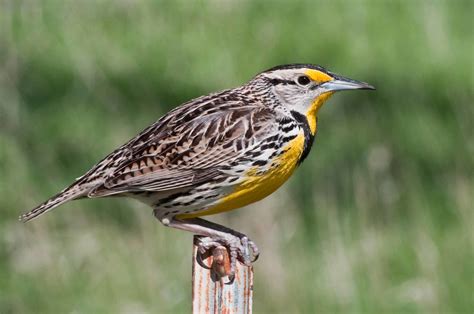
[239,248]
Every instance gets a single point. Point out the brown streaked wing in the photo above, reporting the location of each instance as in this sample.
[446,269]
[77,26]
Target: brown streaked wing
[189,151]
[164,180]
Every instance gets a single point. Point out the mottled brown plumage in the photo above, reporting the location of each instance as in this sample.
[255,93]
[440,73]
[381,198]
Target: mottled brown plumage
[216,152]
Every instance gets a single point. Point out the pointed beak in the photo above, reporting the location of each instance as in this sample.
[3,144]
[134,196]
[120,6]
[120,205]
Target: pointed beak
[342,83]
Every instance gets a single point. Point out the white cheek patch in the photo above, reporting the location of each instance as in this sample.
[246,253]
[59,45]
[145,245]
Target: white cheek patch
[296,99]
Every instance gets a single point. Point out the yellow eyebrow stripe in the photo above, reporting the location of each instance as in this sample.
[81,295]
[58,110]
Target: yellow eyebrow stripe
[318,76]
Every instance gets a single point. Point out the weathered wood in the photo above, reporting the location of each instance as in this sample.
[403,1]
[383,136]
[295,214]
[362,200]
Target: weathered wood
[212,291]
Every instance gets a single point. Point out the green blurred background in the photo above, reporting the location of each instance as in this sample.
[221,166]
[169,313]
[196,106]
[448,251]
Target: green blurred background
[379,218]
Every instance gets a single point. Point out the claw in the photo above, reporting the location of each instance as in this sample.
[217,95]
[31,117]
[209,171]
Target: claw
[250,251]
[255,251]
[231,279]
[239,248]
[200,261]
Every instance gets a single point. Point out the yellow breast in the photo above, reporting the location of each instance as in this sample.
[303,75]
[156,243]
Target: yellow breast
[256,187]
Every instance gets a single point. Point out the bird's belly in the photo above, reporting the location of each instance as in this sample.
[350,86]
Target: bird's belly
[256,186]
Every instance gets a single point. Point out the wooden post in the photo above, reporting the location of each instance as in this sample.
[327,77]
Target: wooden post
[212,291]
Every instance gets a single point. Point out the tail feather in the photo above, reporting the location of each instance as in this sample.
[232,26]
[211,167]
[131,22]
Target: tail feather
[68,194]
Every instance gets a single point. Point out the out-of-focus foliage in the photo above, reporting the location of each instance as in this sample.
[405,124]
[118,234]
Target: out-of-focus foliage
[378,219]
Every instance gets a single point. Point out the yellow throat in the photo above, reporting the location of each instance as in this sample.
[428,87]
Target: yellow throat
[312,112]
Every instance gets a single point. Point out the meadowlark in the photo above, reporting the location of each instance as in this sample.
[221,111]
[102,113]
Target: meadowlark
[216,153]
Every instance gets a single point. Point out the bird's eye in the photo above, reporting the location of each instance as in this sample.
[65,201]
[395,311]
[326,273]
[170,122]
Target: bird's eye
[303,80]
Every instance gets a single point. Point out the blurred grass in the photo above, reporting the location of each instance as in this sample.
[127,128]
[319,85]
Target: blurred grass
[377,220]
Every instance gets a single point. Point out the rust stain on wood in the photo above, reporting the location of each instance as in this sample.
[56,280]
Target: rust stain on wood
[212,291]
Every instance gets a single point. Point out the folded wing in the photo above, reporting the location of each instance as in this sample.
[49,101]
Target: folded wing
[187,149]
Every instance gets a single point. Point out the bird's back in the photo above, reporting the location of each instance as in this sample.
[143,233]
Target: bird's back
[204,153]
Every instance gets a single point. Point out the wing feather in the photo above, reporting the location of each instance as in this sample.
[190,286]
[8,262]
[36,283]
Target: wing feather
[187,147]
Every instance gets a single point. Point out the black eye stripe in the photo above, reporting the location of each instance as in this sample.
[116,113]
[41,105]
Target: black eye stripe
[302,80]
[280,81]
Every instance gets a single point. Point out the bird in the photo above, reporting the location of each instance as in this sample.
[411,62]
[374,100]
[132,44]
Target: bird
[216,153]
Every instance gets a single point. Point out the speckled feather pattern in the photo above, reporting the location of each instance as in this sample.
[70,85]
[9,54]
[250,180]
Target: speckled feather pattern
[193,156]
[202,151]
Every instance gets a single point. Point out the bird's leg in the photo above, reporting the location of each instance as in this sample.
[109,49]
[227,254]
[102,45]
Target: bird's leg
[252,255]
[216,235]
[243,238]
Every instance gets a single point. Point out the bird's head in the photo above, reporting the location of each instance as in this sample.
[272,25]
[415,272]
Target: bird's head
[305,87]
